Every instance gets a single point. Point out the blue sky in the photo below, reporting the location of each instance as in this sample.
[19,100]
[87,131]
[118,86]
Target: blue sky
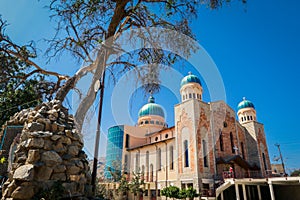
[255,47]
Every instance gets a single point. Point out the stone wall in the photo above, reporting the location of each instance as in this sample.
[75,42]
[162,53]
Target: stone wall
[49,150]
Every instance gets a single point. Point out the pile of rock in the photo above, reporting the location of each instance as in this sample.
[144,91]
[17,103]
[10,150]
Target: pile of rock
[49,150]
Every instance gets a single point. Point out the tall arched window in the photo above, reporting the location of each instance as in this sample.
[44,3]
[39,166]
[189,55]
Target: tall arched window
[204,146]
[143,172]
[147,166]
[127,141]
[264,161]
[126,164]
[137,162]
[186,154]
[221,141]
[171,158]
[243,151]
[151,173]
[232,143]
[159,159]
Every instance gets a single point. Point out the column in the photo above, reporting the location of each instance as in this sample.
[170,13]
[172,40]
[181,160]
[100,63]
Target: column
[259,193]
[237,194]
[244,192]
[271,191]
[222,195]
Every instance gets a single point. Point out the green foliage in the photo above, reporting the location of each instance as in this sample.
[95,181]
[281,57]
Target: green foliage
[171,192]
[55,192]
[136,183]
[20,86]
[123,186]
[101,191]
[191,193]
[2,160]
[296,172]
[176,193]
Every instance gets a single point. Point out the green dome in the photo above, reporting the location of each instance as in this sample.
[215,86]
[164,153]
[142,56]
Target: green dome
[245,104]
[151,108]
[191,78]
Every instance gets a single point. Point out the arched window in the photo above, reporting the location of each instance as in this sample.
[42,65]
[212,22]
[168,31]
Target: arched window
[232,143]
[221,141]
[264,160]
[243,151]
[137,162]
[251,117]
[183,97]
[194,95]
[159,159]
[151,173]
[126,164]
[143,173]
[186,153]
[204,146]
[171,158]
[190,95]
[127,141]
[248,117]
[198,96]
[147,166]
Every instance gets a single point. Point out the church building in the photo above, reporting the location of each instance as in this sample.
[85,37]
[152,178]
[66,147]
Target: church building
[206,144]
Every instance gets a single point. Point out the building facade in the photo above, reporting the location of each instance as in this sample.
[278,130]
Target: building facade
[206,144]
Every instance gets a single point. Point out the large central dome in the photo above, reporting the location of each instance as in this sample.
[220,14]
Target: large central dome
[151,108]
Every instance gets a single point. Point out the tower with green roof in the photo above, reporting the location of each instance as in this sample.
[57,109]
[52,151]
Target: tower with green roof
[246,111]
[191,88]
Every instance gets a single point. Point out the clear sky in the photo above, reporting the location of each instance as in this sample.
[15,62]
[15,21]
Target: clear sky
[255,47]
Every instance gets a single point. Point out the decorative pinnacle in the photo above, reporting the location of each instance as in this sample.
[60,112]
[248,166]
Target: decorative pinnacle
[244,98]
[151,98]
[190,73]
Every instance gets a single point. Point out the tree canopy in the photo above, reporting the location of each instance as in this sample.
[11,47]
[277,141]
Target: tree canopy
[85,25]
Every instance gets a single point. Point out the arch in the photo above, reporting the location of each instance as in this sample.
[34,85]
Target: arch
[151,173]
[221,141]
[147,165]
[232,143]
[137,162]
[127,141]
[171,157]
[243,150]
[204,147]
[159,159]
[126,167]
[186,153]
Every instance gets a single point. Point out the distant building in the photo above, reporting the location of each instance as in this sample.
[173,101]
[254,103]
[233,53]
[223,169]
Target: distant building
[206,145]
[277,170]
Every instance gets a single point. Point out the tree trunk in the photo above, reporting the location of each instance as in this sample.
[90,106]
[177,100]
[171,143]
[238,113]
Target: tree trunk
[99,66]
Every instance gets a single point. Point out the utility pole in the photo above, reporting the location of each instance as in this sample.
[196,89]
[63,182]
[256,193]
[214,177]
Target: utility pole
[278,146]
[99,86]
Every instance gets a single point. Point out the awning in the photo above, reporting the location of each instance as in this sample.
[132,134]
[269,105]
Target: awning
[238,160]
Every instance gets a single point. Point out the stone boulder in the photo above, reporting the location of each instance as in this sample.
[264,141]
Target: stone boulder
[49,150]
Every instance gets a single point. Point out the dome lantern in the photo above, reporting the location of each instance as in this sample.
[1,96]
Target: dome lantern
[191,88]
[246,111]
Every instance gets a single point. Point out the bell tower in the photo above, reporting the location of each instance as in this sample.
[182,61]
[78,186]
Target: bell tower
[190,88]
[246,111]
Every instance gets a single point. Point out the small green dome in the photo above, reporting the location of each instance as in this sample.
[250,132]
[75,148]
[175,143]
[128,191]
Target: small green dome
[245,104]
[191,78]
[151,108]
